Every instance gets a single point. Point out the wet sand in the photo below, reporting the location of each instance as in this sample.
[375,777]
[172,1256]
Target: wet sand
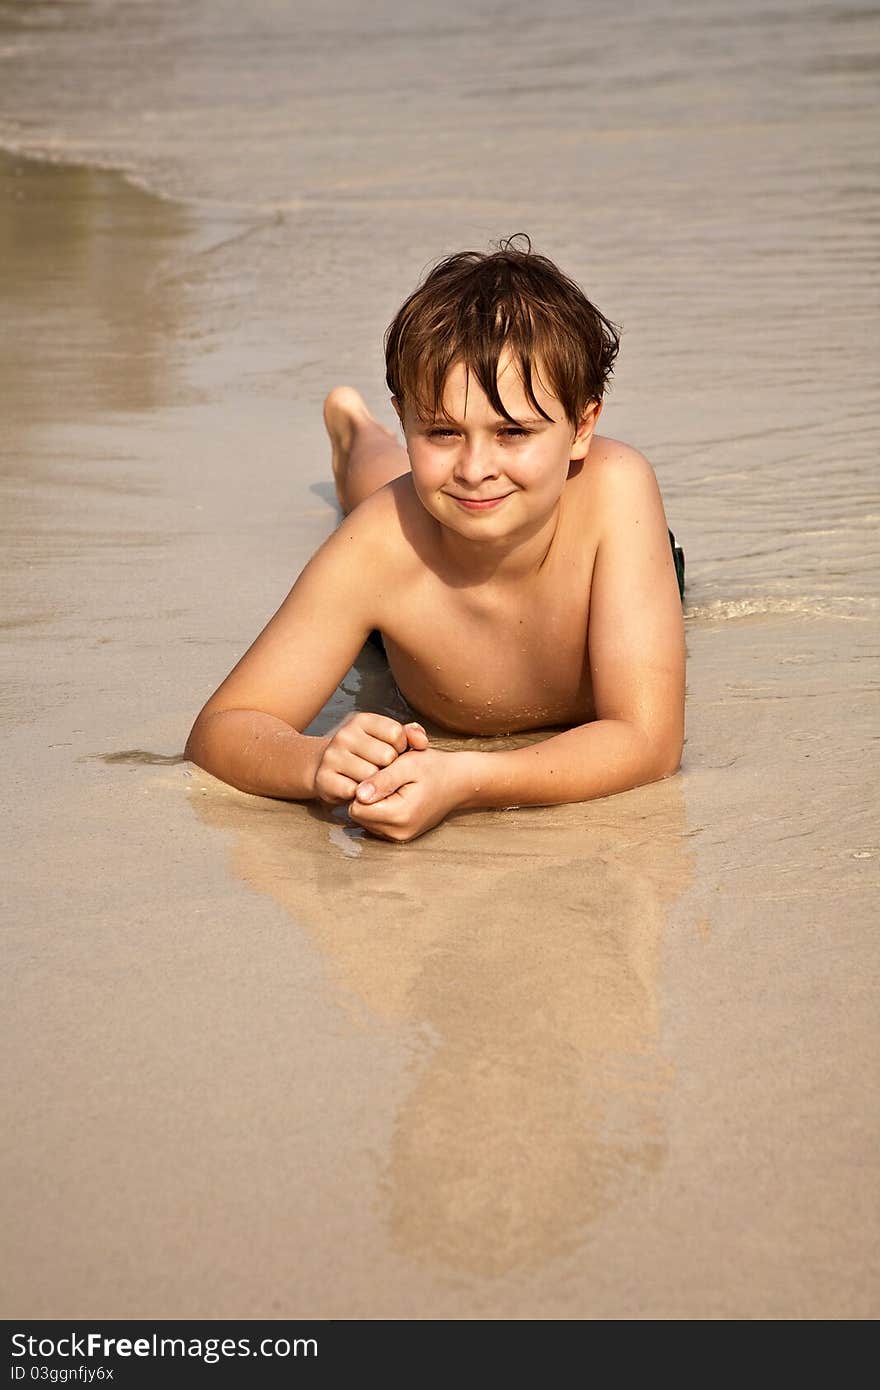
[604,1061]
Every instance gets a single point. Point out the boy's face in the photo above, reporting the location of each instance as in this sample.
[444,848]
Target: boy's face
[483,477]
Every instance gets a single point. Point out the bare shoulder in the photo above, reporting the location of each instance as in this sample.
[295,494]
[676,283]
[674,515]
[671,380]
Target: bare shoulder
[618,476]
[386,519]
[366,548]
[395,528]
[372,527]
[618,501]
[371,557]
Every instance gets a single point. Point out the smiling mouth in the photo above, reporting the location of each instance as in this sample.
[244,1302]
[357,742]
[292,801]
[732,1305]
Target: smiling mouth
[478,504]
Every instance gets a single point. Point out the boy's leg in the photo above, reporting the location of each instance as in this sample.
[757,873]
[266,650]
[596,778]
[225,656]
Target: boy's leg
[366,455]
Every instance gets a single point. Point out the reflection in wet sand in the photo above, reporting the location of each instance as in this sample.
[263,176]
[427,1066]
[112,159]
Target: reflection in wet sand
[522,950]
[83,265]
[95,326]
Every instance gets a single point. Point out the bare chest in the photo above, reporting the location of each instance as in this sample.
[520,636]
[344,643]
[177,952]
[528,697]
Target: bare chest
[476,662]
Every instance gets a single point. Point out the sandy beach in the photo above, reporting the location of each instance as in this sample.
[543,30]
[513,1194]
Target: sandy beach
[607,1061]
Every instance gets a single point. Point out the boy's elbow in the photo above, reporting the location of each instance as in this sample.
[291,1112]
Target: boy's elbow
[665,757]
[661,753]
[195,750]
[191,750]
[667,767]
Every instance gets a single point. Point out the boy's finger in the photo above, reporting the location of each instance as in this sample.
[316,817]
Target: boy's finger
[388,730]
[381,827]
[385,812]
[385,783]
[338,789]
[416,735]
[358,769]
[375,751]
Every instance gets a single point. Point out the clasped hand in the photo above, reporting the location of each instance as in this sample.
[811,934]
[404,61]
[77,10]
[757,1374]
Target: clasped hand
[395,785]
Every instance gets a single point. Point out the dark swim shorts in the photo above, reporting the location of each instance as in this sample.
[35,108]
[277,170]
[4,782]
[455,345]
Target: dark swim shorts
[678,560]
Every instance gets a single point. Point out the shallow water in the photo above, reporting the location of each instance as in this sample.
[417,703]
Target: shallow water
[601,1061]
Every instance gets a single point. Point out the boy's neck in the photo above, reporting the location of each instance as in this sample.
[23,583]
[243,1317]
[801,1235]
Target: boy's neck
[511,560]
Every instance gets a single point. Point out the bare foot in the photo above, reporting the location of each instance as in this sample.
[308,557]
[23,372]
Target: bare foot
[345,412]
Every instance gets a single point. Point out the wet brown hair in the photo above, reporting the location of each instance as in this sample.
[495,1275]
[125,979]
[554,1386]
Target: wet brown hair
[473,305]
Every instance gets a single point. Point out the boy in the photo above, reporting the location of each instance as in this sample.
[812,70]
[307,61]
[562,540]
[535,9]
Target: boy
[517,566]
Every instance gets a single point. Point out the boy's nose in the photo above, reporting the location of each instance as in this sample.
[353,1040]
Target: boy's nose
[476,461]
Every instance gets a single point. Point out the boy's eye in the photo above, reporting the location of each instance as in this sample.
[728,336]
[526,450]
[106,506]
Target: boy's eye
[509,432]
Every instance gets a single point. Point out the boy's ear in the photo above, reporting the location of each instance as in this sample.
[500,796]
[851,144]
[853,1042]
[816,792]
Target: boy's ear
[398,406]
[589,420]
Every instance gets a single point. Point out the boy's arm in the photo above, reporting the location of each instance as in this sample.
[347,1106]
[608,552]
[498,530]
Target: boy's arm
[637,664]
[249,732]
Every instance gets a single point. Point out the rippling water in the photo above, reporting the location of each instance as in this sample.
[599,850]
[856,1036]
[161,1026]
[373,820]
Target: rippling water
[707,171]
